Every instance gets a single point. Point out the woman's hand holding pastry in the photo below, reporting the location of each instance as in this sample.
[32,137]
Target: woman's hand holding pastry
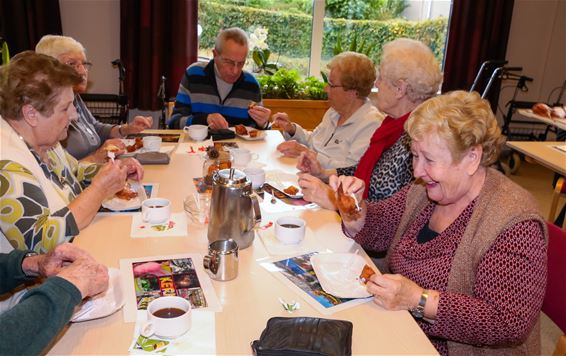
[281,120]
[353,209]
[110,178]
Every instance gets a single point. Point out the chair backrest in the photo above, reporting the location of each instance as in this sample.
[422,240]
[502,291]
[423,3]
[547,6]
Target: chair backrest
[554,304]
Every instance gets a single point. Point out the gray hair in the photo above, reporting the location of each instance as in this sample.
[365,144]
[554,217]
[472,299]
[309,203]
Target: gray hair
[54,46]
[413,62]
[233,33]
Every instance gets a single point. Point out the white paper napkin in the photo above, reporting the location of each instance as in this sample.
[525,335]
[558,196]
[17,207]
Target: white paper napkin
[175,226]
[199,340]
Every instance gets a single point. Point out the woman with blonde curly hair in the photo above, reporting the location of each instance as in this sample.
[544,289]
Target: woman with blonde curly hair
[466,246]
[408,75]
[345,130]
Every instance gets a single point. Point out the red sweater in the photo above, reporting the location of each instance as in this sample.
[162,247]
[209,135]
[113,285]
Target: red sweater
[510,279]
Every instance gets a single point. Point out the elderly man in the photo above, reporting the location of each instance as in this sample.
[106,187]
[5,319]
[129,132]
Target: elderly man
[29,326]
[219,94]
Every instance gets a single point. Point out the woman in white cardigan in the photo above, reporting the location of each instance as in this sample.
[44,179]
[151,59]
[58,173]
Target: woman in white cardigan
[42,197]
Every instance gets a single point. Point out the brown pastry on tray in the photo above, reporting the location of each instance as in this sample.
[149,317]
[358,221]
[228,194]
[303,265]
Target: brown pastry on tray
[241,130]
[291,190]
[347,205]
[253,133]
[367,272]
[112,148]
[127,193]
[542,110]
[138,143]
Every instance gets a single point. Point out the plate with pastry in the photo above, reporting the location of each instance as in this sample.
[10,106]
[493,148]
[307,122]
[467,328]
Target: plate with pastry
[129,198]
[285,184]
[248,133]
[342,274]
[103,304]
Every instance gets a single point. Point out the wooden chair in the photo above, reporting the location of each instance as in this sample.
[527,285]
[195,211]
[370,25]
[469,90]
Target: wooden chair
[554,305]
[559,190]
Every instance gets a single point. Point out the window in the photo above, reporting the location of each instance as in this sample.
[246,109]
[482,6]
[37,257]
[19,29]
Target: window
[305,34]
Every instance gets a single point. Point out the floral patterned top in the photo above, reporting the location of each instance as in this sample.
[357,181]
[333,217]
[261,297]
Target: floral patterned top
[25,217]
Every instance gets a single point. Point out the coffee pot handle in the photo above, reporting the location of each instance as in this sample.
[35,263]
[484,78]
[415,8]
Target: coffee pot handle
[256,209]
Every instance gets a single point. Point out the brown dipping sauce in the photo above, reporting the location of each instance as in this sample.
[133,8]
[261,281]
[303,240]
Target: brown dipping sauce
[168,313]
[155,206]
[290,226]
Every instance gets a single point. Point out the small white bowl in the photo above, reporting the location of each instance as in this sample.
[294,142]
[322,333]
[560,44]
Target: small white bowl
[197,132]
[290,230]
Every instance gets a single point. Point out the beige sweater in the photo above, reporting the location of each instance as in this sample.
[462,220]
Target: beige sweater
[500,205]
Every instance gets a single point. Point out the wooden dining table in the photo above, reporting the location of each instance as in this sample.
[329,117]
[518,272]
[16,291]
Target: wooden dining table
[247,301]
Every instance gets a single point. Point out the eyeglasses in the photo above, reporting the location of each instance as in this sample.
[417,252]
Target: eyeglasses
[232,63]
[329,83]
[86,65]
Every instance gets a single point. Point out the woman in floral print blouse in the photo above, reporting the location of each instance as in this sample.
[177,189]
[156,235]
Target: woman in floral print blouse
[42,200]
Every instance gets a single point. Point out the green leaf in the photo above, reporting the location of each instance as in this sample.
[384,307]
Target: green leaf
[5,53]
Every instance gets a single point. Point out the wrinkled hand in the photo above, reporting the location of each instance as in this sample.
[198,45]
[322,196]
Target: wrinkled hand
[291,148]
[260,115]
[61,256]
[394,291]
[89,276]
[110,178]
[314,190]
[281,119]
[134,168]
[216,121]
[351,184]
[308,163]
[138,124]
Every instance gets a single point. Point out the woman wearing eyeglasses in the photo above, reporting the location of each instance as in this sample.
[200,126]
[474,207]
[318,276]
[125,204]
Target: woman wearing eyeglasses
[87,138]
[346,128]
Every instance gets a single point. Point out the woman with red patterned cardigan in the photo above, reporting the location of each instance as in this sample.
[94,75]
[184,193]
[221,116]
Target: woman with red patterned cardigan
[466,246]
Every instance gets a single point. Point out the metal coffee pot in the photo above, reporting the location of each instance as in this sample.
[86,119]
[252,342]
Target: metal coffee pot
[234,211]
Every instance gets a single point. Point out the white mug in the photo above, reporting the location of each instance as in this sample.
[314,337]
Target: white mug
[168,317]
[196,132]
[242,156]
[290,230]
[156,210]
[152,143]
[256,176]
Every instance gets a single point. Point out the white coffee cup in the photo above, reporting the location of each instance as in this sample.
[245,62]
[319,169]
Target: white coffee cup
[256,176]
[242,156]
[152,143]
[156,210]
[290,230]
[168,317]
[197,132]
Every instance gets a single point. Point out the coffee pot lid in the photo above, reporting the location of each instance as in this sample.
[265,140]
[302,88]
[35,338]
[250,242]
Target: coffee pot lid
[230,177]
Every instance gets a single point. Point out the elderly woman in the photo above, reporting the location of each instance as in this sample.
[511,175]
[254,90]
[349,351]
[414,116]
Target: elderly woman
[344,133]
[466,246]
[408,75]
[87,137]
[43,203]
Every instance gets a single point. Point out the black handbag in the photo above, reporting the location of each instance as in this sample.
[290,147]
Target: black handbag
[304,336]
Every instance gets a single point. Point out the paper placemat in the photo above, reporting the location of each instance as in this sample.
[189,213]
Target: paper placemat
[175,226]
[199,340]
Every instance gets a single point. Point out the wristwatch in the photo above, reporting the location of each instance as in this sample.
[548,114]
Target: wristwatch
[418,311]
[30,254]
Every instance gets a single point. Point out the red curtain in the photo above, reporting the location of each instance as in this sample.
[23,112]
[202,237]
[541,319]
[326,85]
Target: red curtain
[24,22]
[157,38]
[478,31]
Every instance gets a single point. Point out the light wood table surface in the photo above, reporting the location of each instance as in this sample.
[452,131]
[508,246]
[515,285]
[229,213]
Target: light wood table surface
[544,153]
[249,300]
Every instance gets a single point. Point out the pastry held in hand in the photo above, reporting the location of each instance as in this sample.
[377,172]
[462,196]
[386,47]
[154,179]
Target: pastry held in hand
[347,204]
[367,272]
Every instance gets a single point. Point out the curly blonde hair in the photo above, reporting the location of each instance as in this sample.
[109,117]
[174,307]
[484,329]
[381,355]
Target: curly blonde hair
[357,72]
[411,61]
[463,120]
[34,79]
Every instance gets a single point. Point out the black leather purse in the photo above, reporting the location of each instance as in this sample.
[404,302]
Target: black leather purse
[304,336]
